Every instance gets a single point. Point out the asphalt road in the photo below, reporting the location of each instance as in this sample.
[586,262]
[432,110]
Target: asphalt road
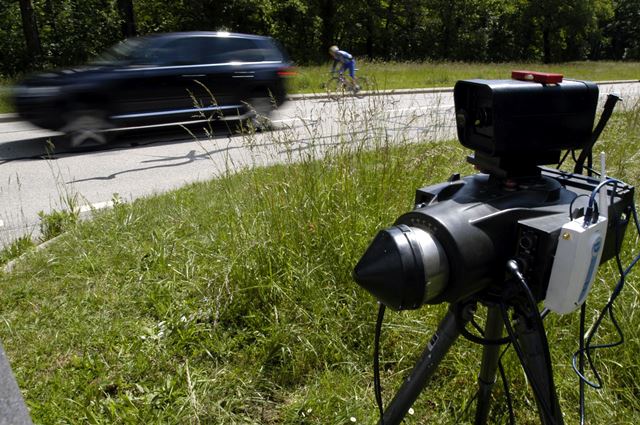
[40,172]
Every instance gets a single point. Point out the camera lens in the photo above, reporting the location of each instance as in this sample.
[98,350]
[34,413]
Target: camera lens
[404,267]
[483,117]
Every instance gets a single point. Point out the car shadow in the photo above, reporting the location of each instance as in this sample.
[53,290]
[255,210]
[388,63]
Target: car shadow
[52,147]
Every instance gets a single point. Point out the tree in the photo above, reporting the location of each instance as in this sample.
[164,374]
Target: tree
[125,7]
[30,30]
[38,33]
[625,30]
[565,27]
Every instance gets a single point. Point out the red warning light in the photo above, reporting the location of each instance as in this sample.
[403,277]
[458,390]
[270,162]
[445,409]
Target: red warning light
[537,77]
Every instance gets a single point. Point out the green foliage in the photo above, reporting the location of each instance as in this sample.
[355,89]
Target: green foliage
[56,222]
[623,30]
[455,30]
[70,32]
[13,57]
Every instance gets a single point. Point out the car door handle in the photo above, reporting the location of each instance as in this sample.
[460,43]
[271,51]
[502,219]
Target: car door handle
[193,75]
[243,74]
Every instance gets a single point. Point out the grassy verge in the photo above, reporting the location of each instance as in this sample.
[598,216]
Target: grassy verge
[397,75]
[232,302]
[5,89]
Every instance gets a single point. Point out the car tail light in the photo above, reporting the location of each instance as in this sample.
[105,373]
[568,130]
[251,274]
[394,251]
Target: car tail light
[289,71]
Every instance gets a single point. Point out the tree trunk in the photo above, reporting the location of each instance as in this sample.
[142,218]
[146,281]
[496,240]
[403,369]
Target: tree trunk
[327,13]
[128,20]
[30,29]
[546,46]
[370,34]
[448,30]
[52,18]
[386,46]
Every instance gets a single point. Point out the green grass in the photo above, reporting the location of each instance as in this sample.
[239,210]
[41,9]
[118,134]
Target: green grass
[398,75]
[5,103]
[231,301]
[15,249]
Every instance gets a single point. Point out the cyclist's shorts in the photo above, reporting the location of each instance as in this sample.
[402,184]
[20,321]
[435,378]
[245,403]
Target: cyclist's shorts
[351,66]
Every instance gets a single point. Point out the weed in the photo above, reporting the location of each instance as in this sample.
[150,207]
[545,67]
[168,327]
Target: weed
[56,222]
[16,249]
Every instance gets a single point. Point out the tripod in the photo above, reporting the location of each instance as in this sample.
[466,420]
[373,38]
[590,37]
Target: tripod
[526,334]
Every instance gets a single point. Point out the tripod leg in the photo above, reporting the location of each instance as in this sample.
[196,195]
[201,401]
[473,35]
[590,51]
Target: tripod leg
[433,354]
[531,347]
[489,366]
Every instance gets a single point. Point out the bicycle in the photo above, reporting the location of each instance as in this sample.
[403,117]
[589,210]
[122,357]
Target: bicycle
[338,86]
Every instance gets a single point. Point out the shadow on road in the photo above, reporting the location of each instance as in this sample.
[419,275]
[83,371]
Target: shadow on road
[55,146]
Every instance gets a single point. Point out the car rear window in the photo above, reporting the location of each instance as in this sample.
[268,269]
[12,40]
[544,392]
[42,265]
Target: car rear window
[128,52]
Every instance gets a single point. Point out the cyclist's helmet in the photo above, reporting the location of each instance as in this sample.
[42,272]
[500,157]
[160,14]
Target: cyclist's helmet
[333,49]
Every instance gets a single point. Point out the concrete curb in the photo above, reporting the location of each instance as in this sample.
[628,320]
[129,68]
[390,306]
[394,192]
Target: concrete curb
[9,117]
[11,265]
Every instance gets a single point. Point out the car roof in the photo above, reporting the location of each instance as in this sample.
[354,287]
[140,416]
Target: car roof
[208,34]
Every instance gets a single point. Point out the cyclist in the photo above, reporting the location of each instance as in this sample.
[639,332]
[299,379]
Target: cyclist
[347,63]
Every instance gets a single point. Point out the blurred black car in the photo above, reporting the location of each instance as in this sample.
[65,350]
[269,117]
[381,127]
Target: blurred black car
[161,79]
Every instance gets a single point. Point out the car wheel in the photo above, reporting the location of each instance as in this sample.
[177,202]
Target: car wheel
[261,108]
[86,127]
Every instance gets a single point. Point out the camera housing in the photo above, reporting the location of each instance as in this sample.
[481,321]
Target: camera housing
[457,240]
[513,126]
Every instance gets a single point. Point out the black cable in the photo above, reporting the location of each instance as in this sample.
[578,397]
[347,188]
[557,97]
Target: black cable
[469,403]
[566,154]
[376,362]
[503,375]
[583,315]
[575,160]
[608,308]
[474,338]
[520,352]
[573,156]
[507,391]
[514,268]
[589,212]
[571,204]
[545,312]
[585,349]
